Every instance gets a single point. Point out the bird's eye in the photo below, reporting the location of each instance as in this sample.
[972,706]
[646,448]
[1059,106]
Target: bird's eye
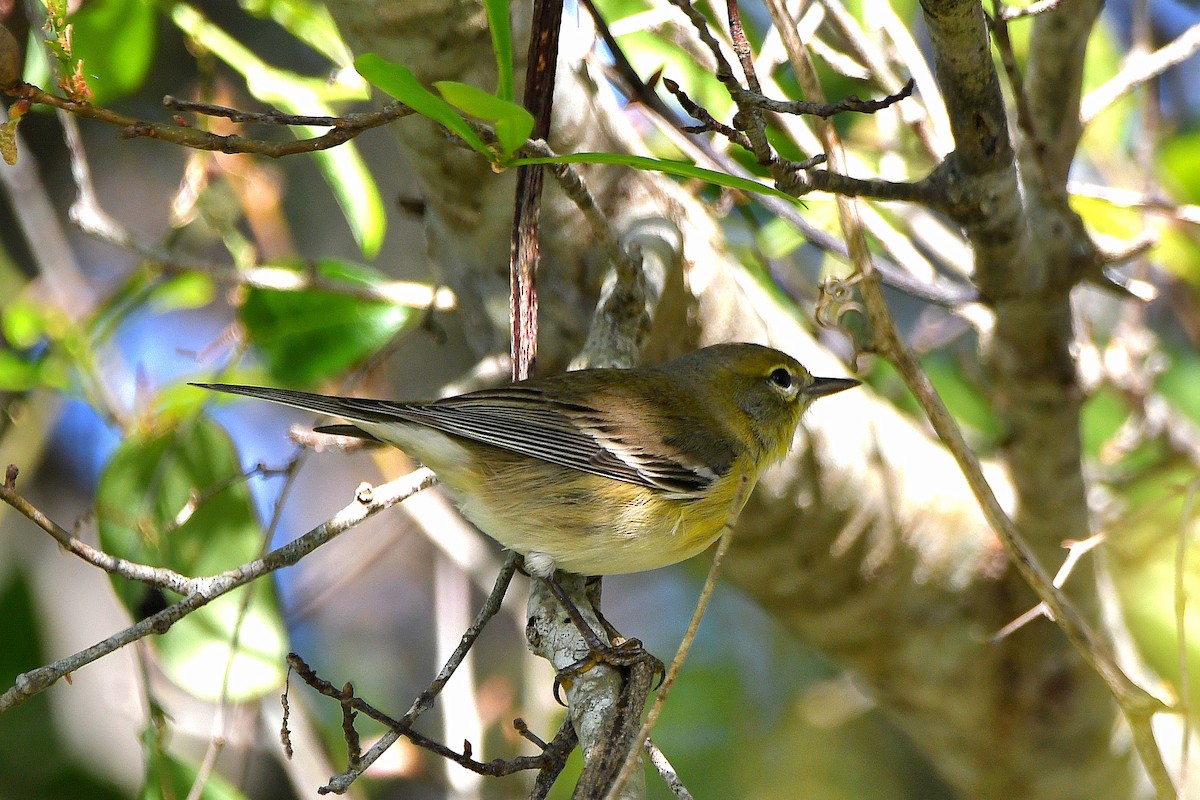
[782,378]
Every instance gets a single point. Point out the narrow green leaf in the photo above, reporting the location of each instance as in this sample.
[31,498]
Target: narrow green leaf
[680,169]
[342,166]
[499,25]
[309,21]
[513,123]
[356,191]
[400,83]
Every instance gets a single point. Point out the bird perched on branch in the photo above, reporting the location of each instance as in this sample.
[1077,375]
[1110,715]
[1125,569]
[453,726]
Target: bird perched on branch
[598,471]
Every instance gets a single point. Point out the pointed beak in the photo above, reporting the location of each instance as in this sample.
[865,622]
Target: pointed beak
[825,386]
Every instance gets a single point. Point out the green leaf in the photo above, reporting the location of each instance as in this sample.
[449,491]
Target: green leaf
[680,169]
[513,123]
[23,324]
[357,193]
[1103,414]
[190,290]
[116,40]
[1178,384]
[308,21]
[169,777]
[501,28]
[964,400]
[342,167]
[16,373]
[175,499]
[1179,166]
[309,335]
[400,83]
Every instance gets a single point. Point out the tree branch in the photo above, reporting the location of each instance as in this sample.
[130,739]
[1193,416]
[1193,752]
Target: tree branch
[368,502]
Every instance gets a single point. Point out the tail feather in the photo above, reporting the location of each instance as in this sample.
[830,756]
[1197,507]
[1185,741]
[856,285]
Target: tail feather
[350,408]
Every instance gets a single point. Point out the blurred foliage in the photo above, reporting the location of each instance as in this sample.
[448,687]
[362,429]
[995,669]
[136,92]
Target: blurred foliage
[311,335]
[36,761]
[115,40]
[175,499]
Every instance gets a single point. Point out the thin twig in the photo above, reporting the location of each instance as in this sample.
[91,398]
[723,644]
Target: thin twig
[1138,70]
[667,772]
[851,103]
[998,24]
[710,583]
[346,128]
[272,117]
[1031,10]
[424,701]
[160,577]
[368,502]
[555,751]
[943,293]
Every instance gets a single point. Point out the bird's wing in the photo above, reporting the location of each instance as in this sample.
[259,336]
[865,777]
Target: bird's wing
[610,436]
[605,435]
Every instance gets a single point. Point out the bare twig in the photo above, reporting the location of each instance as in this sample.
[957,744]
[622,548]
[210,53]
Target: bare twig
[424,701]
[1138,70]
[160,577]
[666,771]
[199,592]
[272,117]
[710,582]
[1075,551]
[849,104]
[557,750]
[1033,9]
[344,129]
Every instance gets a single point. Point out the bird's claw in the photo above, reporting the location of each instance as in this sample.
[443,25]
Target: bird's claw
[622,655]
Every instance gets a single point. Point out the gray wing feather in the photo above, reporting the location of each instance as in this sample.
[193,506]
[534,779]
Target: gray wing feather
[518,419]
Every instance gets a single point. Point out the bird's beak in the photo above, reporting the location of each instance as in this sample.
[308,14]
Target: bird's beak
[823,386]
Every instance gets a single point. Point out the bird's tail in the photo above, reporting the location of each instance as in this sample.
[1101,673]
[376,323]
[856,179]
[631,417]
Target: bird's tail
[349,408]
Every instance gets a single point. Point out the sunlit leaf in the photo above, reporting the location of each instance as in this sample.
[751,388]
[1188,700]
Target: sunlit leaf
[309,22]
[357,193]
[308,335]
[23,323]
[17,374]
[116,40]
[680,169]
[400,83]
[501,29]
[342,167]
[190,290]
[175,498]
[513,123]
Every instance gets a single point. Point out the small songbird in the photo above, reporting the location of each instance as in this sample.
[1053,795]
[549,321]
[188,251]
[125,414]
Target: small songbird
[598,471]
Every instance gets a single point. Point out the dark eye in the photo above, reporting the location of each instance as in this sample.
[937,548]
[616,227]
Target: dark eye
[782,378]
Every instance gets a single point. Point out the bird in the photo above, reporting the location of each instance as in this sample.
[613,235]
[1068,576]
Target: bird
[597,471]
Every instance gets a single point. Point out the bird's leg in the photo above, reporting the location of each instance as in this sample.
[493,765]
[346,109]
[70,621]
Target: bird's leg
[622,653]
[592,587]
